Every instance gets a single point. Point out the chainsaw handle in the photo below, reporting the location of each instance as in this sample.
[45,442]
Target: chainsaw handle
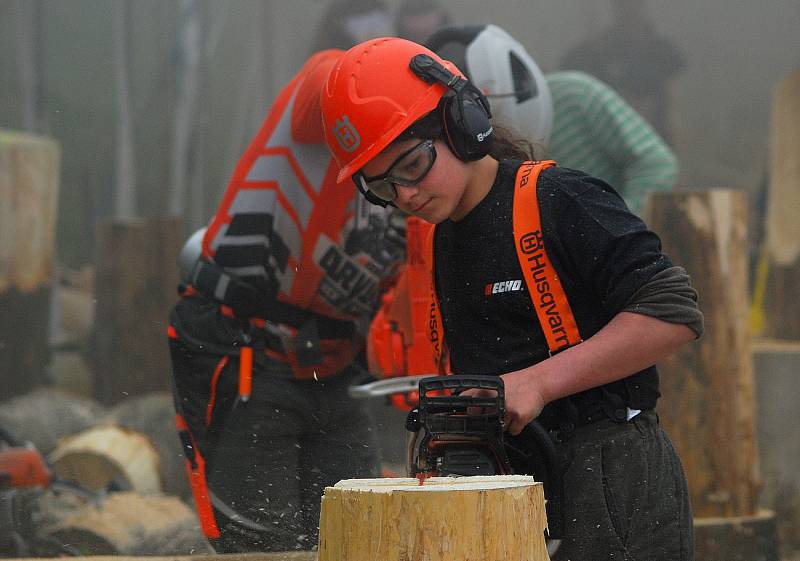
[459,383]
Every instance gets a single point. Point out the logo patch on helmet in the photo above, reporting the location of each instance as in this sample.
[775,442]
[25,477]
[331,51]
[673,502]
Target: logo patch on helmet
[346,134]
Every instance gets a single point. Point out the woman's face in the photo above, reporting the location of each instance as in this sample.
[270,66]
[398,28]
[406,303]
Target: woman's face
[438,194]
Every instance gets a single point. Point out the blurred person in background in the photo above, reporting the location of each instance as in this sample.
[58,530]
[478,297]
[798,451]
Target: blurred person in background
[269,332]
[266,337]
[635,59]
[416,20]
[569,116]
[347,22]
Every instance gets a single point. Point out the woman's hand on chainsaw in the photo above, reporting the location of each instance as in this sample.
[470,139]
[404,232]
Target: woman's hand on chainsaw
[524,400]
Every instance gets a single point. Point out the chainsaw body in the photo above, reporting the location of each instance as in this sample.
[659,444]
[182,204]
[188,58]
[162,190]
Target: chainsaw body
[454,434]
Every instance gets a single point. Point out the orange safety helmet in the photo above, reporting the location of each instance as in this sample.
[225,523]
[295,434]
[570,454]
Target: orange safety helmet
[372,96]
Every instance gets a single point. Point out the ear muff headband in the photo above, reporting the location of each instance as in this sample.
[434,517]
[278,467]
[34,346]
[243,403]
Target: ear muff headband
[465,112]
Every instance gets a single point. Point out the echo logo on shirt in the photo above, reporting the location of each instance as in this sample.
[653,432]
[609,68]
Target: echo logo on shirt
[502,286]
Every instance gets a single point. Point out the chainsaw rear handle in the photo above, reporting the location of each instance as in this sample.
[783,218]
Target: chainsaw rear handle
[444,393]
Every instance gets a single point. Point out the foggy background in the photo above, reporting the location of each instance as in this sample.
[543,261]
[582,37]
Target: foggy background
[152,102]
[57,63]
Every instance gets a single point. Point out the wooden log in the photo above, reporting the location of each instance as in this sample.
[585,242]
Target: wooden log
[29,172]
[153,415]
[108,455]
[137,276]
[491,518]
[128,523]
[707,403]
[776,305]
[777,370]
[737,538]
[276,556]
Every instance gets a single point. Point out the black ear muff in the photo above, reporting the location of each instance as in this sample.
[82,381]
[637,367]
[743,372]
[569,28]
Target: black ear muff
[465,110]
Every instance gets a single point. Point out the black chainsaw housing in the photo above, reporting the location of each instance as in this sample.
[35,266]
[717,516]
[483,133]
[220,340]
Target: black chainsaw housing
[456,434]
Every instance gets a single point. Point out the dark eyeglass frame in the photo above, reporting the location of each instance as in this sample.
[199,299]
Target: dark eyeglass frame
[363,182]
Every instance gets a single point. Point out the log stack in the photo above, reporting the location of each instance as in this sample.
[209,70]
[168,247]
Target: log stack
[493,518]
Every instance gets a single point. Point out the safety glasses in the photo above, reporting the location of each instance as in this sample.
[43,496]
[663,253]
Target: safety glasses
[408,169]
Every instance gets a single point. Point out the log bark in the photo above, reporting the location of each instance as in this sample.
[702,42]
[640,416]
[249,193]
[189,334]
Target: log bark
[137,276]
[29,172]
[707,388]
[477,518]
[107,455]
[776,287]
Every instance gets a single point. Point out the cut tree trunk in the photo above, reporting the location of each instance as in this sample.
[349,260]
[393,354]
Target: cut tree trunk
[29,172]
[490,518]
[708,389]
[108,456]
[708,405]
[137,278]
[776,287]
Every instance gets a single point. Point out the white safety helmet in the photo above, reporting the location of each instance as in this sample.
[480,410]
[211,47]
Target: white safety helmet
[504,71]
[190,253]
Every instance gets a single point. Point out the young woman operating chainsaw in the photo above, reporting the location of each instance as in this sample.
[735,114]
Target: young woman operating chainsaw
[597,304]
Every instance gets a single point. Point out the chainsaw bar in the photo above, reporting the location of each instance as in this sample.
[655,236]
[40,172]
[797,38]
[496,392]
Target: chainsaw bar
[390,386]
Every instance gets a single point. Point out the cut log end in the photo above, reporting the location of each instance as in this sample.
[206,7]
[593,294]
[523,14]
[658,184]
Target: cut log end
[481,518]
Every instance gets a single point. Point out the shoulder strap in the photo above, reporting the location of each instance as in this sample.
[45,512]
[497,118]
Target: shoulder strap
[544,287]
[435,328]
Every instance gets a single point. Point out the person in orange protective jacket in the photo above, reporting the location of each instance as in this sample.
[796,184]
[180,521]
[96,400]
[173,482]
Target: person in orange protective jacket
[266,336]
[538,274]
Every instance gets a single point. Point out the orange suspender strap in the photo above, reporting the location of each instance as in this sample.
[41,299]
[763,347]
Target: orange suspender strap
[196,468]
[435,327]
[544,287]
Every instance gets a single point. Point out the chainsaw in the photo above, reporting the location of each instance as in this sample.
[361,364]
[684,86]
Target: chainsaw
[452,434]
[25,476]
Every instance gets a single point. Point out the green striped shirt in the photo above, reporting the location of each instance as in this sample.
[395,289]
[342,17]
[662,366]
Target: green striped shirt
[596,131]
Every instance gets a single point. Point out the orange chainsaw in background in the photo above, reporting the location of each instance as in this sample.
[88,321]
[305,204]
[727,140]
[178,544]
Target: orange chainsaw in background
[399,339]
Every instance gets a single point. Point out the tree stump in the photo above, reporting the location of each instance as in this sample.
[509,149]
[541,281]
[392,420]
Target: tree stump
[495,518]
[708,404]
[29,173]
[136,286]
[107,455]
[708,393]
[776,307]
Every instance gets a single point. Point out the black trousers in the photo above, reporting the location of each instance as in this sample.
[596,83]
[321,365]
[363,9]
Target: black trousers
[269,460]
[625,494]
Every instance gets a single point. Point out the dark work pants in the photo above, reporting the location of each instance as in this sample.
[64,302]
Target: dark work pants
[625,494]
[276,454]
[269,460]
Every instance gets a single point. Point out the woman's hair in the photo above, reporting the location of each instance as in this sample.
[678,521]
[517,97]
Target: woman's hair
[507,144]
